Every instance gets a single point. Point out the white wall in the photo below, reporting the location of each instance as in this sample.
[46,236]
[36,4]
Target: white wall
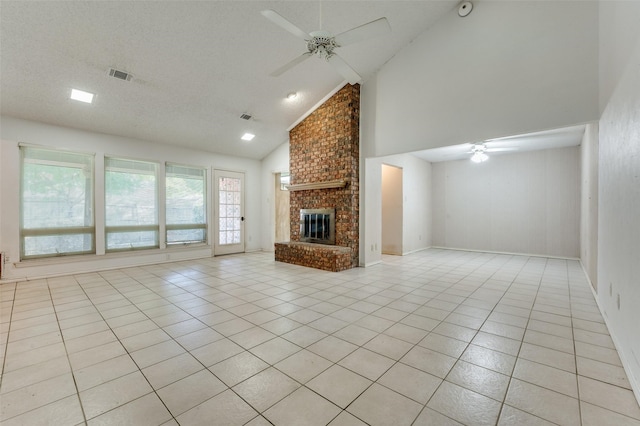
[618,34]
[392,207]
[519,203]
[416,206]
[276,162]
[589,202]
[14,131]
[619,202]
[507,68]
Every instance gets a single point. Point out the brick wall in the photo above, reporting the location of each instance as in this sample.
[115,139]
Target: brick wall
[325,147]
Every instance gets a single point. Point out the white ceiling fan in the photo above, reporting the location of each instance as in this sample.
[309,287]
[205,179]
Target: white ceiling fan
[322,43]
[479,151]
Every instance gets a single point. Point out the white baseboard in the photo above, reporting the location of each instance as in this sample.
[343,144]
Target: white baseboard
[415,251]
[506,252]
[624,359]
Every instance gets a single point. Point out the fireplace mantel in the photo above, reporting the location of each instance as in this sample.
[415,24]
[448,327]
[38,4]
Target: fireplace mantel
[318,185]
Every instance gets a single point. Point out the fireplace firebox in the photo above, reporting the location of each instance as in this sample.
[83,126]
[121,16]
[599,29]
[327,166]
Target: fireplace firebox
[318,226]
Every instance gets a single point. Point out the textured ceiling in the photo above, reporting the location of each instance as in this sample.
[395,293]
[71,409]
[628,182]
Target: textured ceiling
[197,66]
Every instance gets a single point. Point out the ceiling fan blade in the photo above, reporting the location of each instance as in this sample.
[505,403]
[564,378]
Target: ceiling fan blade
[281,21]
[344,69]
[372,29]
[290,64]
[501,149]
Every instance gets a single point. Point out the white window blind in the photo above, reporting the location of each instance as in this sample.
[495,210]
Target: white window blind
[131,204]
[185,204]
[56,203]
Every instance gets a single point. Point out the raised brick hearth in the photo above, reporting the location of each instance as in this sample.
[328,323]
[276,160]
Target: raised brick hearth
[319,256]
[324,147]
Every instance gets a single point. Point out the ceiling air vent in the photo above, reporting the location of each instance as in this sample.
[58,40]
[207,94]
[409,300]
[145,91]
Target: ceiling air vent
[121,75]
[245,116]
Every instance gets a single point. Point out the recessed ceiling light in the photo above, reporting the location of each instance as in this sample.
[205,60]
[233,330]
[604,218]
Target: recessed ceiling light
[82,96]
[292,96]
[248,136]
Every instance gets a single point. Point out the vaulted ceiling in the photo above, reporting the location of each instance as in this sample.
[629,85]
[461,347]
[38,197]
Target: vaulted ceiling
[196,66]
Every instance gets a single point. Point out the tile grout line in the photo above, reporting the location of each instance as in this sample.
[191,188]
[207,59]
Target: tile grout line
[475,334]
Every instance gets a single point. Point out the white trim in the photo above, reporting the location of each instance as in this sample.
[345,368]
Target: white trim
[81,264]
[366,265]
[317,105]
[506,252]
[415,250]
[633,381]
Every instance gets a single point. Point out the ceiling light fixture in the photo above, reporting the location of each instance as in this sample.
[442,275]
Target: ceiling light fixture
[479,157]
[248,136]
[82,96]
[479,154]
[291,96]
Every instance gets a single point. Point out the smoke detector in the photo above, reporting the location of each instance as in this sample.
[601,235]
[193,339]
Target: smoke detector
[120,75]
[465,8]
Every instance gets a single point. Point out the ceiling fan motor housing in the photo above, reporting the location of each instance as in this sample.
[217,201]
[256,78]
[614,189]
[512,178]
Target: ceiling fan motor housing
[322,44]
[479,147]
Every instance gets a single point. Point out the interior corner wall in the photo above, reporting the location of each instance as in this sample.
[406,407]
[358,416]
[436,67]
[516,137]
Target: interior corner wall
[416,206]
[589,203]
[276,162]
[15,130]
[619,209]
[527,203]
[507,68]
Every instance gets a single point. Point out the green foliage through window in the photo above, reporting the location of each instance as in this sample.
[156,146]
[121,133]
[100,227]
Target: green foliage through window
[57,203]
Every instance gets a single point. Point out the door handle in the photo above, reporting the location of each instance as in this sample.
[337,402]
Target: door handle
[242,218]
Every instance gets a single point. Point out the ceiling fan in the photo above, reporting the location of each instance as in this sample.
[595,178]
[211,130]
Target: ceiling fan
[322,43]
[479,151]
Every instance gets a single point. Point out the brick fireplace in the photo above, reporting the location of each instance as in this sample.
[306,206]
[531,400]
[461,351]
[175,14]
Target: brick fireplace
[323,166]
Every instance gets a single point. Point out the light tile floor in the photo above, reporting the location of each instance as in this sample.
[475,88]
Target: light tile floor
[439,337]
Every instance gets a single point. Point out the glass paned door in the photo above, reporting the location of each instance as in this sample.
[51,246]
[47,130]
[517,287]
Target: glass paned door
[229,209]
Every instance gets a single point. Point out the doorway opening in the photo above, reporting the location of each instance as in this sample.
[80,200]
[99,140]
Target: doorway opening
[392,210]
[282,207]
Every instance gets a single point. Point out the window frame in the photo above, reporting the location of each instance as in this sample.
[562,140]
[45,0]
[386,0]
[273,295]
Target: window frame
[60,230]
[186,226]
[113,229]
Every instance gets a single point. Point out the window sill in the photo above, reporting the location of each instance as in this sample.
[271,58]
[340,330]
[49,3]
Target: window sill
[57,260]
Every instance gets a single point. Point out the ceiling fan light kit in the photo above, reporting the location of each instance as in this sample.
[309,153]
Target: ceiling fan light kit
[479,154]
[479,157]
[323,43]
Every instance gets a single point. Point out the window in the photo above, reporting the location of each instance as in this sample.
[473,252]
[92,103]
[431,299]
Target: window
[186,208]
[56,203]
[285,180]
[131,204]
